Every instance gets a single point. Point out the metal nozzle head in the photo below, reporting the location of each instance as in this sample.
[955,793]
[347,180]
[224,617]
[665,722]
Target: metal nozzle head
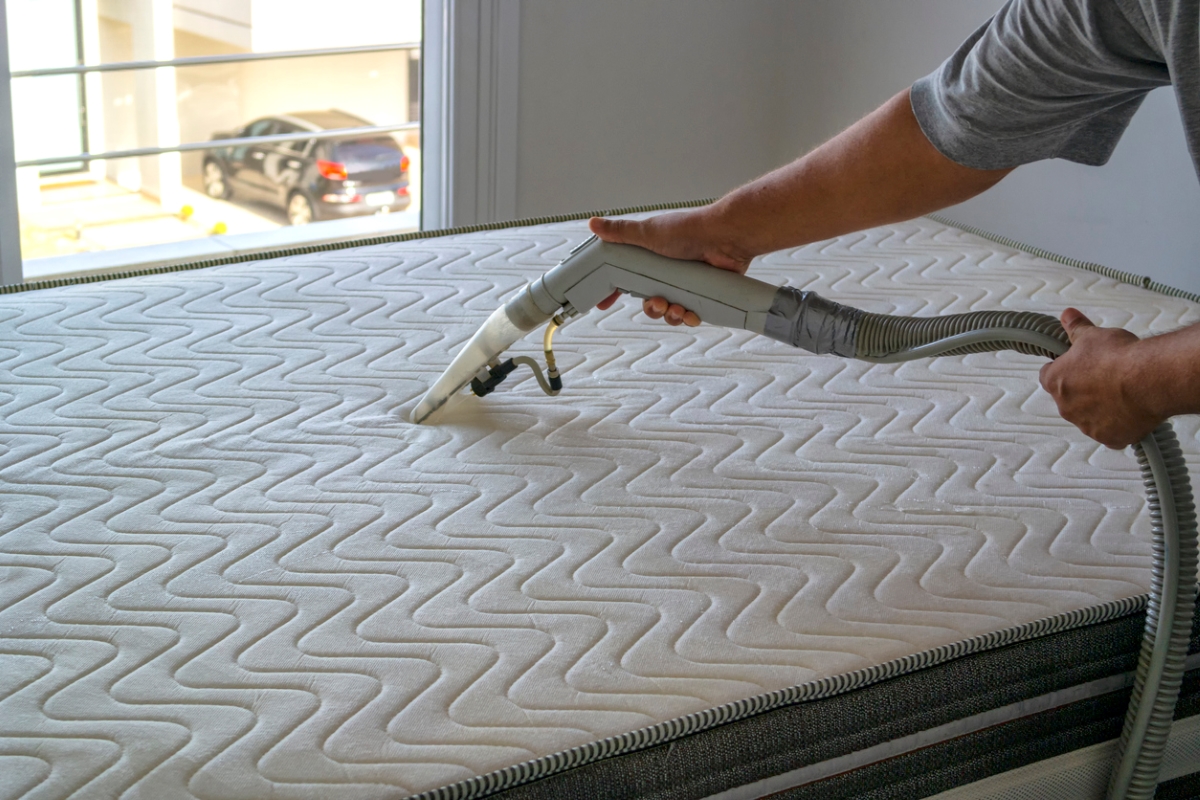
[525,311]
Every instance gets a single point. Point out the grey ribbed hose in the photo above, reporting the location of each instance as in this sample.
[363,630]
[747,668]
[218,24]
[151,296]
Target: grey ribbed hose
[881,335]
[886,339]
[1168,616]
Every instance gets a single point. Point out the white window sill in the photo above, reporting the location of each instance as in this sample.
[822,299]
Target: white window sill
[135,258]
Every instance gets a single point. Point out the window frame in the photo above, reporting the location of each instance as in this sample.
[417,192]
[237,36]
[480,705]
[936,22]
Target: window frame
[469,111]
[12,267]
[469,114]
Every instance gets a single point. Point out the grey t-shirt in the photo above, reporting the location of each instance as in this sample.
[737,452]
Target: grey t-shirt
[1061,79]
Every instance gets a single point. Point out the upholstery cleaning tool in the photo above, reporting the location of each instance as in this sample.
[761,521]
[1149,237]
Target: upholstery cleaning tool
[595,269]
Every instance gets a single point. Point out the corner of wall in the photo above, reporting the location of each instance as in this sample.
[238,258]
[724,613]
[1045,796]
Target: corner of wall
[470,111]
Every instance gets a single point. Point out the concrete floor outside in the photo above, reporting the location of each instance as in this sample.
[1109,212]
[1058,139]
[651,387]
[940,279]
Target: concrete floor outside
[77,214]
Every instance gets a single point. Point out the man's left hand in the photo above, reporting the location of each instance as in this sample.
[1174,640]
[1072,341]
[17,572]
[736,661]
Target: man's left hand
[1095,384]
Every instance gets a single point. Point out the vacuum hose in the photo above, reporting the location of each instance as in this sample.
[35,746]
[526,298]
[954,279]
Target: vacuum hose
[595,269]
[886,339]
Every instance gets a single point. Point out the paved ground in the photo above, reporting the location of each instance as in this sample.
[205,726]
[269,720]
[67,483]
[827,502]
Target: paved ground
[86,216]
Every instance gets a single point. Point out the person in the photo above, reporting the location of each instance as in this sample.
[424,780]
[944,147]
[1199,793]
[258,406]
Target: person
[1041,79]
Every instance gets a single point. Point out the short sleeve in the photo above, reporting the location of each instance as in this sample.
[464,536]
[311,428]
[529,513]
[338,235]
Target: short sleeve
[1042,79]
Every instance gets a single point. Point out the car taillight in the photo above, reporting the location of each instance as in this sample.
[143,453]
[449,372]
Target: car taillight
[403,163]
[333,170]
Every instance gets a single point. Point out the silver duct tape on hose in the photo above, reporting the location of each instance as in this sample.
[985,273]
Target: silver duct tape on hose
[806,320]
[810,322]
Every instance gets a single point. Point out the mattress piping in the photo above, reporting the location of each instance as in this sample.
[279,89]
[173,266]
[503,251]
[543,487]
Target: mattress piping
[1142,281]
[664,732]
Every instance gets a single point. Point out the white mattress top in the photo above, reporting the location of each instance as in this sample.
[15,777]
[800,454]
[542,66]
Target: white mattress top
[230,568]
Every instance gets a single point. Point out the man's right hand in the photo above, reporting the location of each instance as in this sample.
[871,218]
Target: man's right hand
[688,235]
[881,169]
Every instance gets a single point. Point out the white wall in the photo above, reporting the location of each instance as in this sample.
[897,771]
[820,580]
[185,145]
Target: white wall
[855,54]
[118,91]
[629,101]
[1137,213]
[225,21]
[265,25]
[304,24]
[625,102]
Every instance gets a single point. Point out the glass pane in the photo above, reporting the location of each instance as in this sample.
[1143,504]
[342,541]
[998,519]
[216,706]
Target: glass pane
[368,183]
[47,113]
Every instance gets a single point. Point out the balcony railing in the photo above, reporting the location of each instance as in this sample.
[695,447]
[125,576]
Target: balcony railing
[10,260]
[123,66]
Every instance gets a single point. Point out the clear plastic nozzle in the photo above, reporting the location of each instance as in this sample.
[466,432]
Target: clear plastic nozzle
[493,338]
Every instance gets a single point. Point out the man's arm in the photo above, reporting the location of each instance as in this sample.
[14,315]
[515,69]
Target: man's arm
[882,169]
[1117,388]
[1113,386]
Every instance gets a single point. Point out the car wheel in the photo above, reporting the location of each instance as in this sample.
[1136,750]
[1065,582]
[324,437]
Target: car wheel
[215,183]
[299,210]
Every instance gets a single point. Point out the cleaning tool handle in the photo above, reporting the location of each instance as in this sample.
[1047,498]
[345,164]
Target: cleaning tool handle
[596,269]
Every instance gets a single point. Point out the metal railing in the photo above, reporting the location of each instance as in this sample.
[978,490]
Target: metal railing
[197,61]
[281,138]
[212,144]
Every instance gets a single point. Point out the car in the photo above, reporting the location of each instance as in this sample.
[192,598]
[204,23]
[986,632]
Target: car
[311,179]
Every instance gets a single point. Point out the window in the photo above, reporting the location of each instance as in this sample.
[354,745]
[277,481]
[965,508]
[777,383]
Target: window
[240,70]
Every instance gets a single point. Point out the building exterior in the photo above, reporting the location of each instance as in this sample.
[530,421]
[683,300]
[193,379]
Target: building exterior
[99,112]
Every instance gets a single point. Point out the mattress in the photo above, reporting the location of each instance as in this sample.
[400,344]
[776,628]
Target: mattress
[230,568]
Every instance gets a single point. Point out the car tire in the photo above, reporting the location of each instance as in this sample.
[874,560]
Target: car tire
[300,210]
[216,182]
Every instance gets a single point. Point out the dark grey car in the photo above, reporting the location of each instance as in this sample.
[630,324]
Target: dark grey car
[311,179]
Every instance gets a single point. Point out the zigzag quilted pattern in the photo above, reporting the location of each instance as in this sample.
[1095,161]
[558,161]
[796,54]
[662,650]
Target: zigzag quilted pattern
[230,569]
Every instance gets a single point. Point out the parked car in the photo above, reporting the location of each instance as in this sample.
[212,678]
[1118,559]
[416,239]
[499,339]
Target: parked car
[311,179]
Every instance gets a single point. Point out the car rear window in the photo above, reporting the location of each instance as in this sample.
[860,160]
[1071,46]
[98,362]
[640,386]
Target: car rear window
[373,153]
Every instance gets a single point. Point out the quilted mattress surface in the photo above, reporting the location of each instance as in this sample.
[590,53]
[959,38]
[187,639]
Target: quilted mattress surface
[230,568]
